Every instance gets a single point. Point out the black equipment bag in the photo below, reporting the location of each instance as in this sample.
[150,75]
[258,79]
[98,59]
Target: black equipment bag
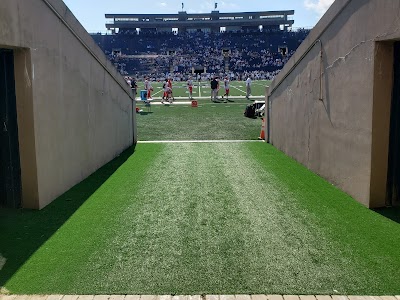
[250,111]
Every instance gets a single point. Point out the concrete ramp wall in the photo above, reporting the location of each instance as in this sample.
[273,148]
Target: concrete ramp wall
[330,105]
[75,112]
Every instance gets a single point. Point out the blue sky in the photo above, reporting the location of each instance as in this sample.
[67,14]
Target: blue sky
[91,12]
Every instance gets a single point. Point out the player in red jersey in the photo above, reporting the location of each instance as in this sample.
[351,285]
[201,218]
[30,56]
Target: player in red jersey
[165,91]
[148,88]
[190,87]
[170,86]
[226,86]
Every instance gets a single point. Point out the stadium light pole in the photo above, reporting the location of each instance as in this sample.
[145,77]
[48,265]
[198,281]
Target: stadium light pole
[197,71]
[171,53]
[226,53]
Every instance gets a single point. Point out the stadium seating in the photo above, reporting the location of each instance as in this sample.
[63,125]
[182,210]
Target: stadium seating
[251,52]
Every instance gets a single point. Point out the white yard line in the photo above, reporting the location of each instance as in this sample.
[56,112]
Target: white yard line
[167,103]
[202,141]
[158,92]
[195,297]
[260,84]
[188,102]
[138,100]
[238,89]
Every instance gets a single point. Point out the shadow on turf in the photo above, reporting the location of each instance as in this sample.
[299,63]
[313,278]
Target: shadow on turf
[22,231]
[392,213]
[222,100]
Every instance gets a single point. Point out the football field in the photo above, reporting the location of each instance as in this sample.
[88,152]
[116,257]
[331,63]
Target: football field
[199,207]
[201,218]
[203,90]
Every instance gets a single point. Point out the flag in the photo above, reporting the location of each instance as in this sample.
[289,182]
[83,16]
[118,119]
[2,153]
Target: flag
[216,5]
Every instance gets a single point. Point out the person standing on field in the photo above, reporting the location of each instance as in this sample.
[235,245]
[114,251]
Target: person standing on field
[190,87]
[248,87]
[165,91]
[148,88]
[170,86]
[226,86]
[214,89]
[134,87]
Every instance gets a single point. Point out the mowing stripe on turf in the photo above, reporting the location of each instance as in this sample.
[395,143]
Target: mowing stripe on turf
[207,219]
[217,218]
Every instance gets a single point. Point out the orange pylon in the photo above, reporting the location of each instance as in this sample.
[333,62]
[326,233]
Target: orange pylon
[262,133]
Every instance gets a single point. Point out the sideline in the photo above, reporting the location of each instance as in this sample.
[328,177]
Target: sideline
[195,297]
[202,141]
[203,98]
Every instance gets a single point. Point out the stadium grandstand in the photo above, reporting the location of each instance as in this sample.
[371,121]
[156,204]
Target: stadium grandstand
[241,44]
[210,22]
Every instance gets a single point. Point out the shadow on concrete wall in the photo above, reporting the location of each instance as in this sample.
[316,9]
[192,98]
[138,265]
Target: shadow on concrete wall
[392,213]
[22,232]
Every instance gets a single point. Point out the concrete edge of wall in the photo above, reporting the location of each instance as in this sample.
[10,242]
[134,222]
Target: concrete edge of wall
[71,22]
[336,8]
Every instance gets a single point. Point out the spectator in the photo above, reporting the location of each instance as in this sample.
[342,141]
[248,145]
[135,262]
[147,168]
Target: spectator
[253,54]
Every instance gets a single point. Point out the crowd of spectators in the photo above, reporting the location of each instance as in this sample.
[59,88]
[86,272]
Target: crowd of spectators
[156,55]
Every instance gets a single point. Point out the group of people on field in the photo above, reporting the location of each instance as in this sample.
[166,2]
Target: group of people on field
[168,92]
[215,88]
[167,88]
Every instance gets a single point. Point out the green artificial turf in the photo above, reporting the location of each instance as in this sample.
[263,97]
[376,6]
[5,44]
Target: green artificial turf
[209,121]
[190,218]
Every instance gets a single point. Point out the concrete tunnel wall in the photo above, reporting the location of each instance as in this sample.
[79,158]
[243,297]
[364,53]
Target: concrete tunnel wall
[330,105]
[75,111]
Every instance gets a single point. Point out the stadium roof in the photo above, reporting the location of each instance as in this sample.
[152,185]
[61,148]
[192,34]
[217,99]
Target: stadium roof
[215,19]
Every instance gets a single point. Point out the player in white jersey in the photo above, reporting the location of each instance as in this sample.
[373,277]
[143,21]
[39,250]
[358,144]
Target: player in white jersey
[248,87]
[148,88]
[190,87]
[167,92]
[226,86]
